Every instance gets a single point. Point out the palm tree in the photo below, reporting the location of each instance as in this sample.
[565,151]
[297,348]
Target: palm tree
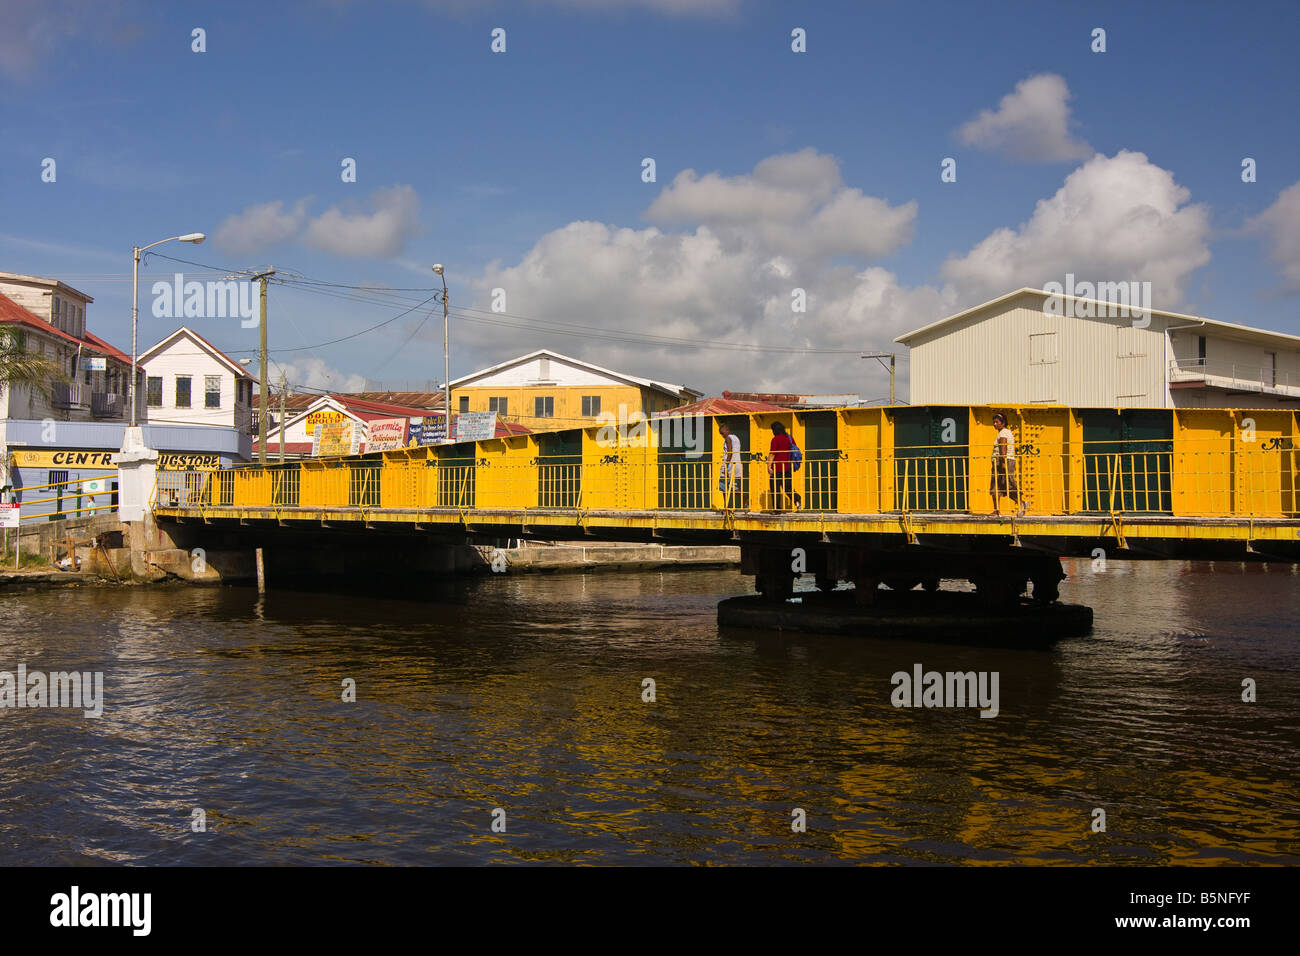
[20,367]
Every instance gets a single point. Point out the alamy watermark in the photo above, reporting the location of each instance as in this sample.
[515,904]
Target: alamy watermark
[128,910]
[210,299]
[922,688]
[1099,300]
[634,429]
[74,689]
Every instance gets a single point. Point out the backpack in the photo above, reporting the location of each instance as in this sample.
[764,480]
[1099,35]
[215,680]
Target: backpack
[796,456]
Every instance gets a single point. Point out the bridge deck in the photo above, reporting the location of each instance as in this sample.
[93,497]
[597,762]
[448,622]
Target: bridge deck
[1167,477]
[723,526]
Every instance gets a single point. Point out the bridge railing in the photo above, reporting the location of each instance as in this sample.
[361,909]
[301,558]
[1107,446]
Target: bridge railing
[1192,476]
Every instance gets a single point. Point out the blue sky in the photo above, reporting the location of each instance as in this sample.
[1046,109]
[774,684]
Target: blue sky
[522,171]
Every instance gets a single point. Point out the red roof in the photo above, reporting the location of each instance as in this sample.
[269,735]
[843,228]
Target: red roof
[510,429]
[290,447]
[430,401]
[371,410]
[12,313]
[781,398]
[107,349]
[722,406]
[505,429]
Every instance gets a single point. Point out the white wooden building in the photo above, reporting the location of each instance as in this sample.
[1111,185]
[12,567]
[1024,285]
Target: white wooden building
[1016,349]
[189,381]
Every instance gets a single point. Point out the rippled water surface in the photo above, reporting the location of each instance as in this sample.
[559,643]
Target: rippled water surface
[525,693]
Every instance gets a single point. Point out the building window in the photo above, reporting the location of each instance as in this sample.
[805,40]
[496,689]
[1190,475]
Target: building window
[1270,368]
[59,487]
[544,407]
[590,406]
[1200,350]
[154,399]
[464,403]
[212,391]
[182,391]
[500,405]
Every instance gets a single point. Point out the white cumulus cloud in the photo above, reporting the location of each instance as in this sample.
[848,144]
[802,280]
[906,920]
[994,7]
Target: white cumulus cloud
[1115,218]
[314,373]
[794,203]
[380,233]
[259,226]
[741,245]
[1279,225]
[1031,123]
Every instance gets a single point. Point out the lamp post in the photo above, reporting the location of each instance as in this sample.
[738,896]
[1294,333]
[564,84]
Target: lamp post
[446,359]
[194,237]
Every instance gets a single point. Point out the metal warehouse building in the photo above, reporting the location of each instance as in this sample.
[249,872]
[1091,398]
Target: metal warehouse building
[1031,347]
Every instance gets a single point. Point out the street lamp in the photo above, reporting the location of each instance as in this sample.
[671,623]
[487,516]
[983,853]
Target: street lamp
[446,358]
[194,237]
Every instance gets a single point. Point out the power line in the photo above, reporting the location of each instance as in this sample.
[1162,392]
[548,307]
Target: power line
[367,294]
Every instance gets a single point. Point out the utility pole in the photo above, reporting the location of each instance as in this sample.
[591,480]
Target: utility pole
[880,357]
[282,388]
[446,359]
[261,277]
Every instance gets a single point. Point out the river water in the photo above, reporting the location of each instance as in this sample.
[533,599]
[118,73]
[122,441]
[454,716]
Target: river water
[519,699]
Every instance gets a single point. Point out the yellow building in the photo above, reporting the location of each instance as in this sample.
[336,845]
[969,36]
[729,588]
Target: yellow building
[545,390]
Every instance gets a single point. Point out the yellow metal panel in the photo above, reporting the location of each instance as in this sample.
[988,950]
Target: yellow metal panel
[1044,458]
[1203,462]
[860,472]
[1264,462]
[505,476]
[1224,463]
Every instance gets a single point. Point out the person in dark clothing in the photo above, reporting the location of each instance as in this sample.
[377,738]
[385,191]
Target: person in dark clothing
[779,469]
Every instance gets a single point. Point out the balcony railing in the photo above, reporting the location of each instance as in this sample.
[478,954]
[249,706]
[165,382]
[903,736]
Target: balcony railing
[254,421]
[69,395]
[1235,376]
[107,405]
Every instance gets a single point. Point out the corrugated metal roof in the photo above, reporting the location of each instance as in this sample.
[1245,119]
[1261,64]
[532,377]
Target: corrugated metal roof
[1240,331]
[428,401]
[721,406]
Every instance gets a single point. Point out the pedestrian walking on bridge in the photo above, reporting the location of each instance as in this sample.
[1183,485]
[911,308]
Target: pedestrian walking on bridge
[1002,480]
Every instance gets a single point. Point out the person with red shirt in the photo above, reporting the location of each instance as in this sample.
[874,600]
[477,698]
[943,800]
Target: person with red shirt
[779,468]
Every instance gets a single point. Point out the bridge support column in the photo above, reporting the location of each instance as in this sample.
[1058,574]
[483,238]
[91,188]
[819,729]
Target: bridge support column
[1000,578]
[772,568]
[994,613]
